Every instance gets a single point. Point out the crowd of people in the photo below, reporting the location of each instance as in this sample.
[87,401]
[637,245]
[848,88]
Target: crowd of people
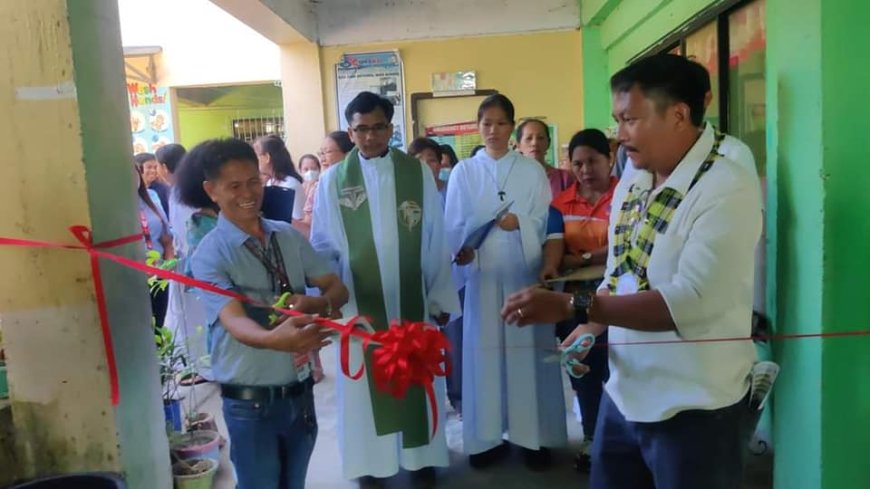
[662,253]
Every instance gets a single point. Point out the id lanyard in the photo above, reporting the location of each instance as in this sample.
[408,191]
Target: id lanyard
[274,264]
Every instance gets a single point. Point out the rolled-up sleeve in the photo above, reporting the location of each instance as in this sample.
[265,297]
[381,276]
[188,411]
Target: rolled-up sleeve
[207,265]
[715,265]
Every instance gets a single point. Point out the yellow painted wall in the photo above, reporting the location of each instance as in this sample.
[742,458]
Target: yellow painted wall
[540,72]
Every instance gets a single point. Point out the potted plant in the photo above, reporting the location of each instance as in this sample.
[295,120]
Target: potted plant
[170,358]
[194,474]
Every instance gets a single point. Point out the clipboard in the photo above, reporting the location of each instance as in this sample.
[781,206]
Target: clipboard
[475,238]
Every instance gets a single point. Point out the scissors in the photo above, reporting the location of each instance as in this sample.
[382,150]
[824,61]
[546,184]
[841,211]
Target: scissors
[583,343]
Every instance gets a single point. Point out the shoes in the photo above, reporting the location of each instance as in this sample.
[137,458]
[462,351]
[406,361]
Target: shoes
[424,478]
[489,457]
[369,482]
[538,460]
[583,459]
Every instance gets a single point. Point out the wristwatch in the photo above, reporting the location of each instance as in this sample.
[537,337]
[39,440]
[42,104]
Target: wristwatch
[581,302]
[587,258]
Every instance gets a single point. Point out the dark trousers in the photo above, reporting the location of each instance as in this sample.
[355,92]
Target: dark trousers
[159,304]
[453,330]
[694,449]
[590,387]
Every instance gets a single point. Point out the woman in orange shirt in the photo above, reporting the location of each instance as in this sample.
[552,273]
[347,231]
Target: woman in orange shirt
[585,208]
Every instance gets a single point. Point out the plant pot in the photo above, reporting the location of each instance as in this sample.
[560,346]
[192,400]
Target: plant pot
[199,480]
[197,445]
[202,422]
[4,385]
[172,413]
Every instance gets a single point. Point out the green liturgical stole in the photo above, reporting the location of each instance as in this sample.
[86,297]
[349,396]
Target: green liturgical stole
[408,416]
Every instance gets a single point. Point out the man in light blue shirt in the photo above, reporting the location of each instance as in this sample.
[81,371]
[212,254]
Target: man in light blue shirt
[261,364]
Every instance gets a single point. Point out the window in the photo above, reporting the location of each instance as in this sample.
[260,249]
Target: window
[729,40]
[250,129]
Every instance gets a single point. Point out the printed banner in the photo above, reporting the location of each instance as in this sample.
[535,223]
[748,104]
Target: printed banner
[380,73]
[150,116]
[462,136]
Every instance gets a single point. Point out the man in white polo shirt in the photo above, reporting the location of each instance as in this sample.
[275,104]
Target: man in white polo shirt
[682,235]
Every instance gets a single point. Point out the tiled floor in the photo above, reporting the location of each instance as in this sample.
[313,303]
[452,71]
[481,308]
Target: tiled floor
[322,473]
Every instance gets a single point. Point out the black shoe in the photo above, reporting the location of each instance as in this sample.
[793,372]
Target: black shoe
[583,459]
[424,478]
[489,457]
[538,460]
[369,482]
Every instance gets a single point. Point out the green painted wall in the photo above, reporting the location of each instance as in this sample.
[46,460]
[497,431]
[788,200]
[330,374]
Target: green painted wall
[198,122]
[846,362]
[596,80]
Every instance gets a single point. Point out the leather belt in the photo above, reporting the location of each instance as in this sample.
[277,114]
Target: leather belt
[265,393]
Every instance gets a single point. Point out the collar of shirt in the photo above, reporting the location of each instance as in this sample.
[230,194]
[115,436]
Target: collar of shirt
[482,155]
[686,169]
[238,237]
[382,156]
[571,197]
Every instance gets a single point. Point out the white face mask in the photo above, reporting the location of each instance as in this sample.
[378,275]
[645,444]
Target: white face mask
[311,175]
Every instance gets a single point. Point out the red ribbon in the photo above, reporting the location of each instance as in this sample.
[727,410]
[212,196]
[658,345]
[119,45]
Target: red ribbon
[418,349]
[85,238]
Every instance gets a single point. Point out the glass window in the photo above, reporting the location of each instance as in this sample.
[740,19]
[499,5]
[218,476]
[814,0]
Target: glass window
[746,100]
[702,46]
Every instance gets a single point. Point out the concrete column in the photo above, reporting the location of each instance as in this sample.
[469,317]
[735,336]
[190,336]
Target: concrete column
[818,228]
[65,136]
[302,86]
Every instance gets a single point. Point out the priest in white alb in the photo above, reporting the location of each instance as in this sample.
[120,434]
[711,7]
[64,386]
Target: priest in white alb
[509,389]
[378,218]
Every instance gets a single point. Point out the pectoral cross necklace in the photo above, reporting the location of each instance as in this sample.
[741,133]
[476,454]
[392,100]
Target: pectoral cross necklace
[501,192]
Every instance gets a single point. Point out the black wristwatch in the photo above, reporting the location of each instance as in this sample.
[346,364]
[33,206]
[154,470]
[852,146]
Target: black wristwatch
[581,302]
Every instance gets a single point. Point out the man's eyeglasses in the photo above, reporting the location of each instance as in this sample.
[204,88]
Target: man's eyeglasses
[376,129]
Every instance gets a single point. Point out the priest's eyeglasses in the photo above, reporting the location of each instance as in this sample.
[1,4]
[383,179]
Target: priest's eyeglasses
[376,129]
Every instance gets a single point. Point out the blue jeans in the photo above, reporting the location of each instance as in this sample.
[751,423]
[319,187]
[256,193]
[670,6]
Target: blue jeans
[694,449]
[271,442]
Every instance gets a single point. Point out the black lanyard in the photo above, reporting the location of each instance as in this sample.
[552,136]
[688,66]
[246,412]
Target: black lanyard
[276,270]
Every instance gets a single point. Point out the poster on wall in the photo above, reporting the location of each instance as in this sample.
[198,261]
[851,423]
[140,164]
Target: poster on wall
[150,116]
[379,72]
[463,137]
